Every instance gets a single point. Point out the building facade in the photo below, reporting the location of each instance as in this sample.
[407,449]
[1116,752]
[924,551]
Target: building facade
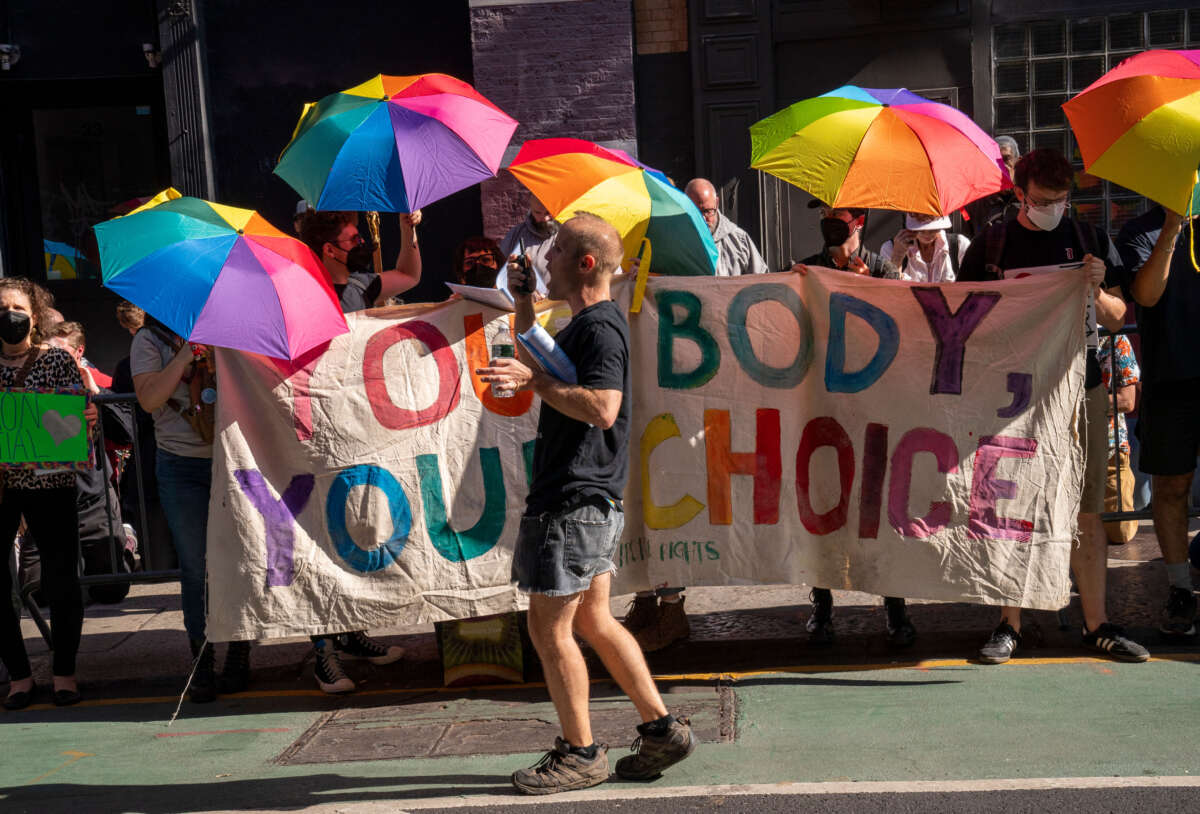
[105,104]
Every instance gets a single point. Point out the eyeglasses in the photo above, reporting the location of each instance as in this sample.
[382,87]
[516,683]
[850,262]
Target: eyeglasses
[482,258]
[1056,202]
[712,210]
[357,240]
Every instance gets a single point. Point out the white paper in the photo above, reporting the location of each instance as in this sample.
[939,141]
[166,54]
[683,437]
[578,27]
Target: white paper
[495,297]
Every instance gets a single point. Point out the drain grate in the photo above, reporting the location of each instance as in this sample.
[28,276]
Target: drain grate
[502,723]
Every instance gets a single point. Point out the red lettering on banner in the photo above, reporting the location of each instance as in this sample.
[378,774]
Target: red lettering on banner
[478,356]
[764,464]
[987,490]
[299,372]
[386,411]
[921,439]
[824,431]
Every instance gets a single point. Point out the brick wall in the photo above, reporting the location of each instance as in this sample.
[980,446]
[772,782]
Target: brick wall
[661,26]
[561,69]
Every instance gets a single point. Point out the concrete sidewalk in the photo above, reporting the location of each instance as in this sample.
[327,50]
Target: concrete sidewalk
[138,646]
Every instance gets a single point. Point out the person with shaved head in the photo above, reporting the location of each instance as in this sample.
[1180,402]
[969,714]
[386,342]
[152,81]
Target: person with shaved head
[737,253]
[574,516]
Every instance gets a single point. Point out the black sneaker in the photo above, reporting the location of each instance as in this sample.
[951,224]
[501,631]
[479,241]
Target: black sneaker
[1111,639]
[1179,616]
[358,645]
[235,674]
[331,678]
[900,629]
[653,753]
[203,686]
[563,770]
[1000,647]
[820,621]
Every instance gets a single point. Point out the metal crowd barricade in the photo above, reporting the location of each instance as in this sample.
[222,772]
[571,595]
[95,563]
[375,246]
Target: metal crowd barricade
[145,535]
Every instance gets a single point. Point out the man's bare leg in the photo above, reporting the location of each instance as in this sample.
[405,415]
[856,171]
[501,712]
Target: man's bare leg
[618,649]
[1170,505]
[1089,563]
[551,620]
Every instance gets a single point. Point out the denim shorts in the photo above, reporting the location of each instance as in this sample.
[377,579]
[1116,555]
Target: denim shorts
[559,553]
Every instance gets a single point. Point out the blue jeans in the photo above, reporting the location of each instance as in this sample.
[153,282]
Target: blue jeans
[183,487]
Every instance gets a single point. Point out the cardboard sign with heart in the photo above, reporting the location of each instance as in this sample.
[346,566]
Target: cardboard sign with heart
[61,427]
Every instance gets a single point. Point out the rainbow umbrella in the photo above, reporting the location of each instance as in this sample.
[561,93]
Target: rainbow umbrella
[61,260]
[880,149]
[1139,126]
[219,275]
[571,175]
[394,144]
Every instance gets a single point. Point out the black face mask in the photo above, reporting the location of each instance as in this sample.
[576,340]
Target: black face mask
[14,327]
[479,275]
[834,231]
[361,257]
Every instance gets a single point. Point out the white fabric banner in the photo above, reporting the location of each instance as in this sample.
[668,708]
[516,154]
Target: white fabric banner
[897,438]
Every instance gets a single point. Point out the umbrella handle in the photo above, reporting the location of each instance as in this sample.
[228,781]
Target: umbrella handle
[373,228]
[1191,225]
[639,287]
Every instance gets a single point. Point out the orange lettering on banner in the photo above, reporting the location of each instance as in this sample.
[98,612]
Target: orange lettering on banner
[478,356]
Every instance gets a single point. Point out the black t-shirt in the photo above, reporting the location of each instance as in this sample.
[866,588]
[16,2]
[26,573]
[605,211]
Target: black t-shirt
[878,266]
[1168,328]
[1030,248]
[360,293]
[573,460]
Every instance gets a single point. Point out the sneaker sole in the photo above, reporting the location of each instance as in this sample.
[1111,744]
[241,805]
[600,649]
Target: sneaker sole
[1169,632]
[380,660]
[582,783]
[648,777]
[337,687]
[993,659]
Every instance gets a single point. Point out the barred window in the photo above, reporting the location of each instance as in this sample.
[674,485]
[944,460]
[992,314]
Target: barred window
[1037,66]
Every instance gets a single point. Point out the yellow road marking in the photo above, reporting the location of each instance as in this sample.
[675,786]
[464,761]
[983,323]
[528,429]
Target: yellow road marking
[734,675]
[74,755]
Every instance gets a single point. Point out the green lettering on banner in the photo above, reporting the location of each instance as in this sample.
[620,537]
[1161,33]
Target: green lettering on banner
[42,428]
[689,328]
[739,337]
[460,546]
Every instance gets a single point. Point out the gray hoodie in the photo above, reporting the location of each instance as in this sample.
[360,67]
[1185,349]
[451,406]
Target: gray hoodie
[737,253]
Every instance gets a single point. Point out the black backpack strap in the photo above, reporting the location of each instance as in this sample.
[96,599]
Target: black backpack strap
[994,249]
[1086,236]
[954,241]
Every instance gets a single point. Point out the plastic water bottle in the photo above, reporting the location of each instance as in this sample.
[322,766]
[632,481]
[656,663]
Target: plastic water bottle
[503,348]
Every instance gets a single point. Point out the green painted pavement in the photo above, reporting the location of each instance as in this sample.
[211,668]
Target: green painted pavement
[943,722]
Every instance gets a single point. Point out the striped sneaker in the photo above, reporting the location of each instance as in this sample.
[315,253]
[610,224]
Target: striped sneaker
[1111,639]
[1000,647]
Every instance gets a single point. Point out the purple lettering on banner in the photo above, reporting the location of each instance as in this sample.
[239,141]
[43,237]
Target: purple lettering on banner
[280,518]
[921,439]
[875,447]
[1021,387]
[987,490]
[951,330]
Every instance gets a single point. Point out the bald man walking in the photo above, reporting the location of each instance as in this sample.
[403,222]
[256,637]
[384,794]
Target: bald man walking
[573,518]
[737,253]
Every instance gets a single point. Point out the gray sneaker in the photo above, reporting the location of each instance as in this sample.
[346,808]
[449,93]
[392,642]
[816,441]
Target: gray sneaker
[563,770]
[653,753]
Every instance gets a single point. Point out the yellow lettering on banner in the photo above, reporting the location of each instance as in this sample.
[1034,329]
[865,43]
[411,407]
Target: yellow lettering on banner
[661,428]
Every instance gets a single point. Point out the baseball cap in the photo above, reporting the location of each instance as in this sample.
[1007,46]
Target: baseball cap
[921,223]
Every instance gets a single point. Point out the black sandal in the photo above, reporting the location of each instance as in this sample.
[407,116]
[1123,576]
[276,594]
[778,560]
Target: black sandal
[20,700]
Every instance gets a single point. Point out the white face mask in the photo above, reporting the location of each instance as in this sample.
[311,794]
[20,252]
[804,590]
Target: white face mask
[1046,217]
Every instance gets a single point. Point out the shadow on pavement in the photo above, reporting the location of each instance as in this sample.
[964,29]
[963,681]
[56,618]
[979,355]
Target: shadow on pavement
[241,795]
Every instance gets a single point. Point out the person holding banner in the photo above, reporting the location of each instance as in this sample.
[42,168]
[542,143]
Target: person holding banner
[841,233]
[1041,240]
[1161,279]
[573,518]
[46,498]
[349,257]
[164,368]
[335,239]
